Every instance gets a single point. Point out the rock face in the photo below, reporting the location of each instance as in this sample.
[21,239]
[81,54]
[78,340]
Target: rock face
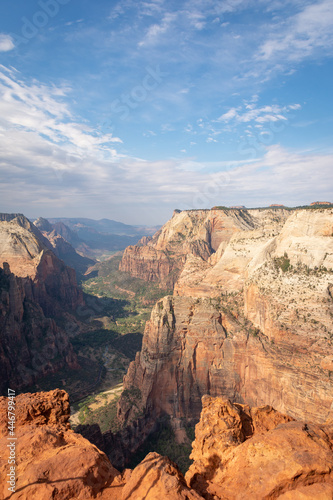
[29,255]
[239,452]
[56,235]
[51,460]
[157,477]
[197,233]
[33,291]
[258,453]
[252,323]
[31,344]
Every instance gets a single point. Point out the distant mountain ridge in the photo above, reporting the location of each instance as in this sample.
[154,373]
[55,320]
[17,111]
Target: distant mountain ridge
[61,241]
[107,226]
[97,238]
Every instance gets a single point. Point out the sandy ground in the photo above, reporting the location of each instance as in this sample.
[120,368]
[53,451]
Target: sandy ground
[100,400]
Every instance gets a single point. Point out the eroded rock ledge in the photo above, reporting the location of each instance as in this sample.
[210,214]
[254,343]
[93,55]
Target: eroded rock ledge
[239,452]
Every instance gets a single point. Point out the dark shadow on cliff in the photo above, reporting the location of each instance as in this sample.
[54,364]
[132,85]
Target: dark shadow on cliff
[84,479]
[162,440]
[151,462]
[200,482]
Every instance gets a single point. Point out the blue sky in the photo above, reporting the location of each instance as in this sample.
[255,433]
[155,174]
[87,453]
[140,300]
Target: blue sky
[129,109]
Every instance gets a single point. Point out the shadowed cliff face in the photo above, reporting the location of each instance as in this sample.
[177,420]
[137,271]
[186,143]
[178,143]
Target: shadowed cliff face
[31,343]
[34,290]
[252,323]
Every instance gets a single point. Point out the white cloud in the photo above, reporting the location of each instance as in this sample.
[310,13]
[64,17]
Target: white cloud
[301,35]
[42,110]
[6,43]
[155,31]
[250,113]
[229,115]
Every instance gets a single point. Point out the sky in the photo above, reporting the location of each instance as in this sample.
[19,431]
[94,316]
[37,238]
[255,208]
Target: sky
[129,109]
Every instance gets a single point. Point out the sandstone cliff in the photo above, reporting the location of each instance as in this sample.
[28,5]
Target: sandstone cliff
[31,344]
[34,288]
[239,452]
[198,233]
[29,255]
[257,453]
[252,322]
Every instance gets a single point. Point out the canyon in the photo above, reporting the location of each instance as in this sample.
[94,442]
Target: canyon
[242,349]
[238,452]
[250,318]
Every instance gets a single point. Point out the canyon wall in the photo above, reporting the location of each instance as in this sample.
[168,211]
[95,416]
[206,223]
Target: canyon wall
[252,322]
[35,287]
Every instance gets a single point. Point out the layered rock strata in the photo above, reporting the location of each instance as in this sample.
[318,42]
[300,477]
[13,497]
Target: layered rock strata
[35,287]
[62,247]
[252,323]
[31,344]
[198,233]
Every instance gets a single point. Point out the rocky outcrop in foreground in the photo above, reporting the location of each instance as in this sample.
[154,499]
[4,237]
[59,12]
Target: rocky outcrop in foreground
[257,453]
[51,460]
[239,452]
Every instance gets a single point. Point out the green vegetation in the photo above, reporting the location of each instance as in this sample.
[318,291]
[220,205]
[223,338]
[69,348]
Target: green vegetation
[163,441]
[77,382]
[105,416]
[125,300]
[282,263]
[254,332]
[106,340]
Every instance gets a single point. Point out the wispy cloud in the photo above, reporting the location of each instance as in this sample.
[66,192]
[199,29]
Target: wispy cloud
[155,31]
[250,113]
[43,111]
[90,185]
[6,43]
[301,35]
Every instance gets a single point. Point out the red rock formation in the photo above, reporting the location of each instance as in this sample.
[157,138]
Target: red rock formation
[31,345]
[41,408]
[41,287]
[279,459]
[51,460]
[320,203]
[253,323]
[239,452]
[29,254]
[191,232]
[155,478]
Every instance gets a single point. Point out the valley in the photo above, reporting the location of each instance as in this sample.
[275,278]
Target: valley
[230,303]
